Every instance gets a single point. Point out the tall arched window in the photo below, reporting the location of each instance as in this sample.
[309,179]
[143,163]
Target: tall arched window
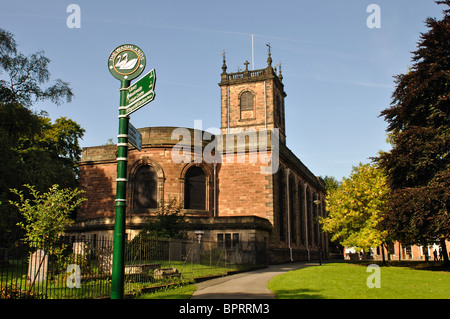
[277,112]
[301,207]
[292,213]
[145,187]
[195,188]
[281,203]
[309,216]
[247,101]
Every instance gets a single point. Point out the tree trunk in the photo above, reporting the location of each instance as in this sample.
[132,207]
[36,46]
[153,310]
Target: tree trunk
[388,252]
[425,251]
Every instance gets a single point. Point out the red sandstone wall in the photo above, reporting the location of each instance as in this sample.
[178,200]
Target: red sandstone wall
[99,183]
[98,179]
[243,190]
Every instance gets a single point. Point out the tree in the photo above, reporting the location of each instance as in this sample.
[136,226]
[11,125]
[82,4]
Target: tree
[331,183]
[418,165]
[51,154]
[357,207]
[46,215]
[33,149]
[24,131]
[26,75]
[169,221]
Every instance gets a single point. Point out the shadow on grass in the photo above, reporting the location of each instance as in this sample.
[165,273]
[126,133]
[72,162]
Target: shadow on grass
[299,294]
[413,264]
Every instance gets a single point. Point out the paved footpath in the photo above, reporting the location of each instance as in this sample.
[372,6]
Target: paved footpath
[247,285]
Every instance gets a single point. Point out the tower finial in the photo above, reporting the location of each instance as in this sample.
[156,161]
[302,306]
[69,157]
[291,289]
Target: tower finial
[280,76]
[269,59]
[224,65]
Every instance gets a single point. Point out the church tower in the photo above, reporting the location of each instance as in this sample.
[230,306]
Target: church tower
[252,99]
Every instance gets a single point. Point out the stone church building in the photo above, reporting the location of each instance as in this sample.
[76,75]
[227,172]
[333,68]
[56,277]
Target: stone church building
[242,185]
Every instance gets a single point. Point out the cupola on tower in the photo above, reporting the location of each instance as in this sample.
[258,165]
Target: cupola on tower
[252,99]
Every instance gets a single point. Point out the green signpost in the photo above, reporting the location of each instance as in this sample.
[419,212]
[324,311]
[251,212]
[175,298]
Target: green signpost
[125,63]
[141,93]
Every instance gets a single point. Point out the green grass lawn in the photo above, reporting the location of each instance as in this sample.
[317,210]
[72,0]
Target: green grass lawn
[183,287]
[175,292]
[349,281]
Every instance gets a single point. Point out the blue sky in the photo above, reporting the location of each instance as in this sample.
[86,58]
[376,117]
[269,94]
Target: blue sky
[338,73]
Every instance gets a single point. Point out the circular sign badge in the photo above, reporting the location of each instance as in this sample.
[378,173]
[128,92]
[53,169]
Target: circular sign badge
[126,62]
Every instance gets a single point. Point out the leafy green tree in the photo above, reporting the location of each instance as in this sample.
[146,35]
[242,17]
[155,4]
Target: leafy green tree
[46,215]
[418,165]
[331,183]
[169,221]
[52,153]
[33,149]
[357,207]
[26,75]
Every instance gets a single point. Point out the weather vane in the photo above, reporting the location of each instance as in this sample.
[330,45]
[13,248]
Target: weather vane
[223,53]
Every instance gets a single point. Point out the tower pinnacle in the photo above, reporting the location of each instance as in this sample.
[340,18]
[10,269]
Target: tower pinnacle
[269,59]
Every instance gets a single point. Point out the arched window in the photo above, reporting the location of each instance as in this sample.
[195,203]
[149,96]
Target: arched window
[292,213]
[247,101]
[301,207]
[145,187]
[277,112]
[281,203]
[309,216]
[195,188]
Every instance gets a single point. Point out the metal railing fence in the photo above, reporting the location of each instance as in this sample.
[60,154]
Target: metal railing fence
[82,267]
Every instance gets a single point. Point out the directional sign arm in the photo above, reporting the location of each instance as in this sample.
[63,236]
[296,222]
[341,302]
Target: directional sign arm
[134,137]
[141,93]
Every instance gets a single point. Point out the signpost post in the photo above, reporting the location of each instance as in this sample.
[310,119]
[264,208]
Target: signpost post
[125,63]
